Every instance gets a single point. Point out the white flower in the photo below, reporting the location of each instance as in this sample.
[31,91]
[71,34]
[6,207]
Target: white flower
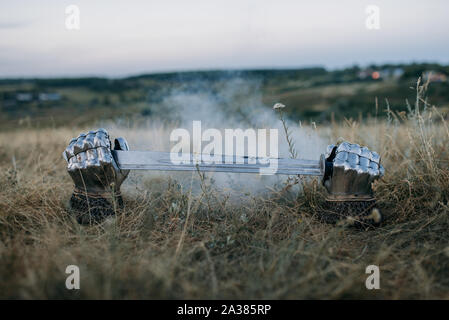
[278,106]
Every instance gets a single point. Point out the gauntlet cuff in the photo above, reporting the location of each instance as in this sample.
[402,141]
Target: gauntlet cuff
[94,207]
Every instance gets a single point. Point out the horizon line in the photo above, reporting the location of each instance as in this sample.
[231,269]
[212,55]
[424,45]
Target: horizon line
[205,70]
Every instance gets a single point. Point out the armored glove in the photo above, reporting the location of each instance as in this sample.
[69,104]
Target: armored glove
[95,174]
[348,182]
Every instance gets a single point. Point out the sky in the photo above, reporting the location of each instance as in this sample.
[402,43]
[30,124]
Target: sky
[121,38]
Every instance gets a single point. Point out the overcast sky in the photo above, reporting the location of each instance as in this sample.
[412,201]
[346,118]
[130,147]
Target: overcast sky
[119,38]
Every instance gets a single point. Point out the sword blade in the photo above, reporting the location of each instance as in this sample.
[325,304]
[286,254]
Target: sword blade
[166,161]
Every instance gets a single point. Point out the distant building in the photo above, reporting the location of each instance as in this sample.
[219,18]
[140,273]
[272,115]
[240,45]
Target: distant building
[24,97]
[397,73]
[364,74]
[434,76]
[49,96]
[380,74]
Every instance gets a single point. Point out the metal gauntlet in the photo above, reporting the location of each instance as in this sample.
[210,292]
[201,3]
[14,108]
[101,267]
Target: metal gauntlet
[348,182]
[96,176]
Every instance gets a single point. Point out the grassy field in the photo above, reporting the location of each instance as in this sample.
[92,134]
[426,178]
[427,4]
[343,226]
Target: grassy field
[171,241]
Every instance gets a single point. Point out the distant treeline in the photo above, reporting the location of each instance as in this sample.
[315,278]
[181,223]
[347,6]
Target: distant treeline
[414,70]
[314,94]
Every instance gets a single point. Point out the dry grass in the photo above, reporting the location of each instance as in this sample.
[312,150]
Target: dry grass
[171,243]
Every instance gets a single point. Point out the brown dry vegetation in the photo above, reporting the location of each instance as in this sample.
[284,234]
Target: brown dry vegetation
[171,243]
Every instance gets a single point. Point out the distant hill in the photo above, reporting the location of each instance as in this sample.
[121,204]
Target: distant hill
[314,94]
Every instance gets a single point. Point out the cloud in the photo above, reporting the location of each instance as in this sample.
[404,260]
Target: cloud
[15,24]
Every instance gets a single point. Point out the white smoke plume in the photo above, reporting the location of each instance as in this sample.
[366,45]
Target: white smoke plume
[227,104]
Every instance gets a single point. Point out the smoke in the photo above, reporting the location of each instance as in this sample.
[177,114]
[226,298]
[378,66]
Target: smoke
[224,104]
[236,103]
